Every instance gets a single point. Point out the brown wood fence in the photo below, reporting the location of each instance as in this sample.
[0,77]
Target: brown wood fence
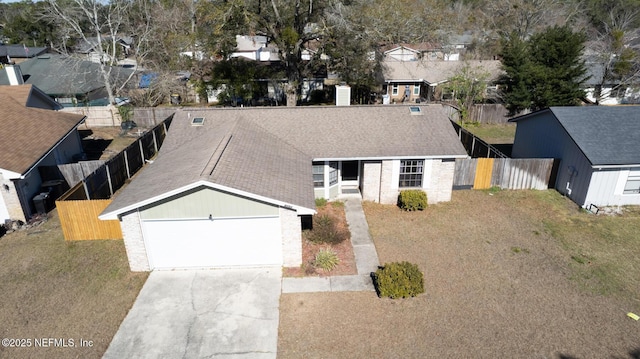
[506,173]
[79,220]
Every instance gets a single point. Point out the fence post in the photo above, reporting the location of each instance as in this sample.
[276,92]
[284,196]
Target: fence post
[126,163]
[106,165]
[141,149]
[155,142]
[86,189]
[473,144]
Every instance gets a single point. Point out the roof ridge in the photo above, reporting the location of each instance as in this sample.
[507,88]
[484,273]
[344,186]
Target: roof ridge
[216,155]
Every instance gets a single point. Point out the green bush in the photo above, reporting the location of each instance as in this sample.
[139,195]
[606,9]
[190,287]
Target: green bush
[326,259]
[412,200]
[321,202]
[326,230]
[399,280]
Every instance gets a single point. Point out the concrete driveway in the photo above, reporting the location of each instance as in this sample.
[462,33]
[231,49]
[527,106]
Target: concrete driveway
[222,313]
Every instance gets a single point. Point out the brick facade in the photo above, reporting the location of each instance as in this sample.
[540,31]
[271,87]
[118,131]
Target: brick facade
[134,242]
[291,238]
[371,180]
[441,184]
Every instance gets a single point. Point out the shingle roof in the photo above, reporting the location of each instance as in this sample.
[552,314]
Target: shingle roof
[434,72]
[607,135]
[268,151]
[26,134]
[18,51]
[20,93]
[63,75]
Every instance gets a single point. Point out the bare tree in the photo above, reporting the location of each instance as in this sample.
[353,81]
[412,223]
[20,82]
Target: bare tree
[95,23]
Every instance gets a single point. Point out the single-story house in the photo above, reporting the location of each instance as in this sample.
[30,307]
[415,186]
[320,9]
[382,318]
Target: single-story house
[415,81]
[601,90]
[70,81]
[31,137]
[413,52]
[597,146]
[232,187]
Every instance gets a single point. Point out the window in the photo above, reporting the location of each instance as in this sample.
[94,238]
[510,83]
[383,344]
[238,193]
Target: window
[416,90]
[633,182]
[197,121]
[333,173]
[318,174]
[394,89]
[411,173]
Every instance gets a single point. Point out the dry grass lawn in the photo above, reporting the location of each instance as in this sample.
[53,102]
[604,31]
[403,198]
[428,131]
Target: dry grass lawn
[493,133]
[50,288]
[511,274]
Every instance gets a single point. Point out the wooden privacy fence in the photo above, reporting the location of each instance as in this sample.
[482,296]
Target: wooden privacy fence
[474,145]
[79,220]
[506,173]
[80,206]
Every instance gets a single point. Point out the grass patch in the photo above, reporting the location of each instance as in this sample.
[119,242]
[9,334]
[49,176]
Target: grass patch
[57,289]
[519,250]
[493,133]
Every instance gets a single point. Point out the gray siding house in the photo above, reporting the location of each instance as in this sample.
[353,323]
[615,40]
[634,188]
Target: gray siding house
[231,187]
[597,146]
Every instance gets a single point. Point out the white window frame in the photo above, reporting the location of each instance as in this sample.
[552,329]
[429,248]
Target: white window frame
[411,174]
[416,90]
[318,174]
[333,173]
[394,89]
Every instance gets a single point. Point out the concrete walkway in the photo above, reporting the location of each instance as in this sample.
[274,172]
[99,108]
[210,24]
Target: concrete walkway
[363,249]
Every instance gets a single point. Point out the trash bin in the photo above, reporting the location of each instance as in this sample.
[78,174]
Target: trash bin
[41,202]
[175,99]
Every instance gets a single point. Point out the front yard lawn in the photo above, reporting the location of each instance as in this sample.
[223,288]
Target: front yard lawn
[518,274]
[54,293]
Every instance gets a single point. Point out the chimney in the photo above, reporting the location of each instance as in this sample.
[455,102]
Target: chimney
[14,74]
[343,95]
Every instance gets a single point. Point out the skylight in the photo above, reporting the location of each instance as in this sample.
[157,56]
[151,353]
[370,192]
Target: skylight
[415,110]
[197,121]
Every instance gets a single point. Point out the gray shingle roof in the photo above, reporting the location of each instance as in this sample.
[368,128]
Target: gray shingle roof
[607,135]
[63,75]
[268,151]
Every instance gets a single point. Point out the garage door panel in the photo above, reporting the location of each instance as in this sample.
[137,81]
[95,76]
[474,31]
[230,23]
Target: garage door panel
[217,243]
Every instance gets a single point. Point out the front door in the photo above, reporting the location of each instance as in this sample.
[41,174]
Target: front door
[350,173]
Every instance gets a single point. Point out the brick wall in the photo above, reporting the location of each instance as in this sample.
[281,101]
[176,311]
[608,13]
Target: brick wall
[291,238]
[441,184]
[389,181]
[371,181]
[134,242]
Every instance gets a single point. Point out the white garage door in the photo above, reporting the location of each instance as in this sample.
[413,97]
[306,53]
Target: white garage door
[217,243]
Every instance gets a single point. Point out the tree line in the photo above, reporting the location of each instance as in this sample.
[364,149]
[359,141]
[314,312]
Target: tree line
[349,32]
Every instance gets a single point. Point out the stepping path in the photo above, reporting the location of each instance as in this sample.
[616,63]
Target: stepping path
[364,252]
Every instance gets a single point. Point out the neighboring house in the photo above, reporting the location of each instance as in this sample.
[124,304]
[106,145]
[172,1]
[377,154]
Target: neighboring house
[71,82]
[233,187]
[255,48]
[597,146]
[88,47]
[15,54]
[415,81]
[603,91]
[31,138]
[413,52]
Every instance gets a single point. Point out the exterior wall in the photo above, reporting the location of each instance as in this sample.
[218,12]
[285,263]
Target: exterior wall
[606,189]
[389,181]
[134,242]
[202,202]
[291,238]
[401,91]
[371,180]
[441,181]
[543,137]
[334,191]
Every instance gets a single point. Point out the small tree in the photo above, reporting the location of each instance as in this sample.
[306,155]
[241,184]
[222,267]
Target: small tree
[468,87]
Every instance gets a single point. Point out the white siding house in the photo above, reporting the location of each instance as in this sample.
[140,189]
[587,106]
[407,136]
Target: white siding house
[597,146]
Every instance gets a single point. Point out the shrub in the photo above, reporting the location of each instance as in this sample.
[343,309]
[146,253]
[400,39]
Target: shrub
[399,280]
[326,259]
[321,202]
[412,199]
[326,230]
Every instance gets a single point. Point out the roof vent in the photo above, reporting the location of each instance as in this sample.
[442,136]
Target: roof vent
[415,110]
[197,121]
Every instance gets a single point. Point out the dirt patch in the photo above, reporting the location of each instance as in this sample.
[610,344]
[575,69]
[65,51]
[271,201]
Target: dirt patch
[102,143]
[62,299]
[500,281]
[344,250]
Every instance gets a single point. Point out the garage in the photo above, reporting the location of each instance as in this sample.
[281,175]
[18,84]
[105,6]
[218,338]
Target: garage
[205,243]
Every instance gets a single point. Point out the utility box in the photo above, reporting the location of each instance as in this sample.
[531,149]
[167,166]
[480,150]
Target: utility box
[42,202]
[343,95]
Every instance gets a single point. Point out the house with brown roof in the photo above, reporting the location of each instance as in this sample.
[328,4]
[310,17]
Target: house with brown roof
[415,81]
[232,187]
[32,136]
